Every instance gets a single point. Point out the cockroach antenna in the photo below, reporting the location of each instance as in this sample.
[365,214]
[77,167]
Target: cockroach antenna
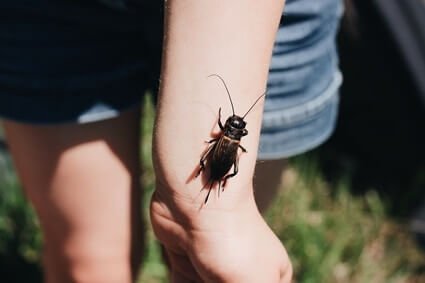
[258,99]
[228,93]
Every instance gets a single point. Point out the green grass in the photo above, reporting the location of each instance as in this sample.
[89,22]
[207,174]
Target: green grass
[154,271]
[331,235]
[19,228]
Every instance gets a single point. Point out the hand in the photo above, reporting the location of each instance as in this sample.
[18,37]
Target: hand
[212,244]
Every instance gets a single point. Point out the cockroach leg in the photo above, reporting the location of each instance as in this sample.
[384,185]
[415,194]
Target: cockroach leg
[204,157]
[219,119]
[243,149]
[213,140]
[235,171]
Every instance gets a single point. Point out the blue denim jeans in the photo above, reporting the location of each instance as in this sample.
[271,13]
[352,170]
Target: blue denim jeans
[302,99]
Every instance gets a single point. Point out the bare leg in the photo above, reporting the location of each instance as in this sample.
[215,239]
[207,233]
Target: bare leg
[83,181]
[267,181]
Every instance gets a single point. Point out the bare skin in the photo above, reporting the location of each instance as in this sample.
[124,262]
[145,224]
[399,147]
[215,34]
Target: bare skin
[268,181]
[83,181]
[225,240]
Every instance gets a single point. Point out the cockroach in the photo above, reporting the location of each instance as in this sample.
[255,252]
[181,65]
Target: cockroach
[222,153]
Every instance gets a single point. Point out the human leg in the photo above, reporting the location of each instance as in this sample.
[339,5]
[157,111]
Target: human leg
[83,181]
[268,181]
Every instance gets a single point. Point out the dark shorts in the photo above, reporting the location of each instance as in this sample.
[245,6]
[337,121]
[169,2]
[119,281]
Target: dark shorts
[83,61]
[76,61]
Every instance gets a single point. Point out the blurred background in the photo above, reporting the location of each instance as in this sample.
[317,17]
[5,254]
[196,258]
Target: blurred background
[352,210]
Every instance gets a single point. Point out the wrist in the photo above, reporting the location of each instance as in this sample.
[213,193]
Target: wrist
[178,187]
[189,198]
[180,217]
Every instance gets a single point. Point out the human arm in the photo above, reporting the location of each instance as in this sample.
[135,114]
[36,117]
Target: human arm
[223,240]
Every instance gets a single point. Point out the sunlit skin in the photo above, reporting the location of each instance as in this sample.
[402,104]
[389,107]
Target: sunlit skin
[225,240]
[83,181]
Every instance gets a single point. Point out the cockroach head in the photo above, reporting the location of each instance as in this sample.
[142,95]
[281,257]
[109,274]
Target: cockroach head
[236,122]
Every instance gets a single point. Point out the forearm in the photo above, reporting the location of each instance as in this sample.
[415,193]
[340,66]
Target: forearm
[233,39]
